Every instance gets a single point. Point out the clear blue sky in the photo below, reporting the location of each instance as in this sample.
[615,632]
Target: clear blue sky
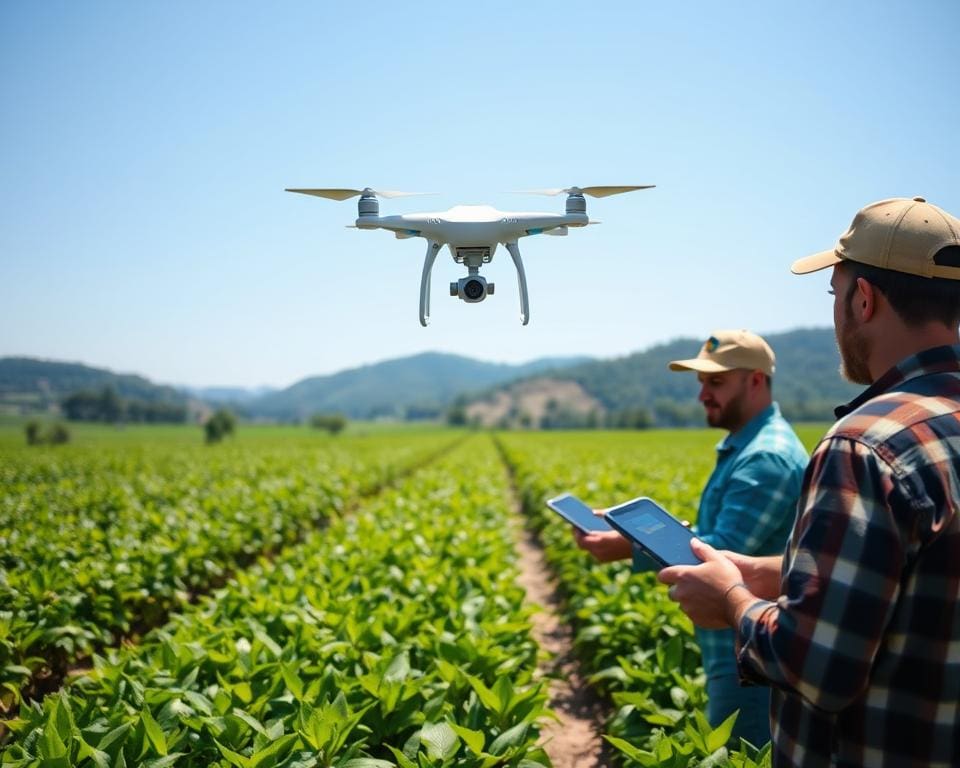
[146,146]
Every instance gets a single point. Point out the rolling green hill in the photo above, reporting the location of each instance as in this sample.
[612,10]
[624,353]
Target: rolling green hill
[420,386]
[639,389]
[635,390]
[31,385]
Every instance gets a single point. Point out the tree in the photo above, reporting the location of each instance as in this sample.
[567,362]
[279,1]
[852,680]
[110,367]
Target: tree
[59,434]
[334,423]
[81,406]
[219,425]
[32,430]
[457,416]
[107,405]
[111,406]
[56,434]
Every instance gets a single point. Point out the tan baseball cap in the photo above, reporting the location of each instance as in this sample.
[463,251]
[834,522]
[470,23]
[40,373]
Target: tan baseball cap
[730,350]
[900,234]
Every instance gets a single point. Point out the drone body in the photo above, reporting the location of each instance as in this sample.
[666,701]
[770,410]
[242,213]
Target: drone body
[472,233]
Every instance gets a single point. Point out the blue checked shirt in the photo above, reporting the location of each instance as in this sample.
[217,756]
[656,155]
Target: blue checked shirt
[748,506]
[862,647]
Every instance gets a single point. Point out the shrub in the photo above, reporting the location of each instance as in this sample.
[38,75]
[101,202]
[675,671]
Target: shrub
[332,423]
[55,434]
[32,430]
[58,434]
[219,425]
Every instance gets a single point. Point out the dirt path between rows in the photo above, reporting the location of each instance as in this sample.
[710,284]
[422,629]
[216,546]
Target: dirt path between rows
[574,741]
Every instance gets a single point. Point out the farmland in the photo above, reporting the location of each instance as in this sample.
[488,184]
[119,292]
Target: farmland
[298,599]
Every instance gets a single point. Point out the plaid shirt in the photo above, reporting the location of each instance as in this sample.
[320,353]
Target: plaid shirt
[863,645]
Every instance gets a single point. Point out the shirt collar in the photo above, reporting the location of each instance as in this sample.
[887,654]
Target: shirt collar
[738,439]
[945,359]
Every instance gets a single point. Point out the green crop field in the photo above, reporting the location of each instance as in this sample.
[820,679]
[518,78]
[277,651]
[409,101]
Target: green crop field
[289,598]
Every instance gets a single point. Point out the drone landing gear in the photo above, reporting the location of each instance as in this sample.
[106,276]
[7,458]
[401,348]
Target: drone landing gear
[465,287]
[433,248]
[514,250]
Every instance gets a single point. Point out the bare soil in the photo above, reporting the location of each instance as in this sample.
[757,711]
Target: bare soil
[533,397]
[574,740]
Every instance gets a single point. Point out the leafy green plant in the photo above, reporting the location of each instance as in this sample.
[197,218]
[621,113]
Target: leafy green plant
[637,646]
[398,630]
[99,544]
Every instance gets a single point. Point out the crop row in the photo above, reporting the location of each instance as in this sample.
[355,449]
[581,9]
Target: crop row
[635,644]
[101,543]
[395,636]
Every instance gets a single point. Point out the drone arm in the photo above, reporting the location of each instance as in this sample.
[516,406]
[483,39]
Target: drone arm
[433,248]
[514,250]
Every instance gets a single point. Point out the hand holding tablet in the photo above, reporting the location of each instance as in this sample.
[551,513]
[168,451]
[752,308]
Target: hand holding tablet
[578,514]
[656,531]
[641,521]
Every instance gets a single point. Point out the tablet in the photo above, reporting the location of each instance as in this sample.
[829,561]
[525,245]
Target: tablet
[655,531]
[575,512]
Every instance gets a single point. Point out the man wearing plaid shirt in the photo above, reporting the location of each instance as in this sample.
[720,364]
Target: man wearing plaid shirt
[857,625]
[748,504]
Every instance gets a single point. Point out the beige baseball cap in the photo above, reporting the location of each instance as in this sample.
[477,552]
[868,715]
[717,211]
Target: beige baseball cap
[900,234]
[730,350]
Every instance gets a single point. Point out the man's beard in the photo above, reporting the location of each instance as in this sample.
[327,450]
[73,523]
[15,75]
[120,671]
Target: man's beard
[854,351]
[730,416]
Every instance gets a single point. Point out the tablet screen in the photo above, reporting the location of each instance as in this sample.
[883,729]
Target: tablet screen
[646,523]
[574,511]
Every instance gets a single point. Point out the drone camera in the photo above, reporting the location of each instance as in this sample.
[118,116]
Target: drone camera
[472,288]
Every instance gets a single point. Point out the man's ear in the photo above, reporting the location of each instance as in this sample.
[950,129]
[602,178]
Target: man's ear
[864,300]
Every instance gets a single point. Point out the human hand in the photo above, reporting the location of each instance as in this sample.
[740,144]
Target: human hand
[605,546]
[760,574]
[705,592]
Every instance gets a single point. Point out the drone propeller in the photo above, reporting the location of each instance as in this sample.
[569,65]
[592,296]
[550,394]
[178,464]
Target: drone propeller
[346,194]
[592,191]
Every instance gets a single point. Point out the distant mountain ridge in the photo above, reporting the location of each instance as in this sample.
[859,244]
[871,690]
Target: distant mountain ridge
[419,386]
[634,390]
[806,384]
[30,384]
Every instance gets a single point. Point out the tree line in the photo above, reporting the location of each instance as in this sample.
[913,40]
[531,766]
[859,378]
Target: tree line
[105,405]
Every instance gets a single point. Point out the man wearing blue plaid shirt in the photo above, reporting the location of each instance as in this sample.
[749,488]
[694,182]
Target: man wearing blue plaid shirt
[747,505]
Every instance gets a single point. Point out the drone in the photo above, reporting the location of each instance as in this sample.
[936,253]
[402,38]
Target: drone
[472,233]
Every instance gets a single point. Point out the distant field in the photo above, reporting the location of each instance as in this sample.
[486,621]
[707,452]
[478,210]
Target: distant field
[11,432]
[83,433]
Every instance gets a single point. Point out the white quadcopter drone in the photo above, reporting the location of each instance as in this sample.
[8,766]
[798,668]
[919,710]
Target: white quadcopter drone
[472,232]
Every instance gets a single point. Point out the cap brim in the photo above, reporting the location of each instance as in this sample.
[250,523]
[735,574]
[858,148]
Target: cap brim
[699,365]
[816,262]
